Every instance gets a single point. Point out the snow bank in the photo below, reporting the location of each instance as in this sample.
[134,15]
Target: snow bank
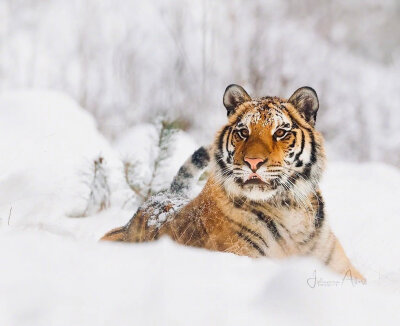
[48,145]
[49,280]
[363,207]
[54,272]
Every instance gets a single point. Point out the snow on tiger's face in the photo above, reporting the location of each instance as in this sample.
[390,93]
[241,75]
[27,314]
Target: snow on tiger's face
[269,144]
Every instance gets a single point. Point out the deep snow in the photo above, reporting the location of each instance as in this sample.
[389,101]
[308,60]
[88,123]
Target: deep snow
[54,272]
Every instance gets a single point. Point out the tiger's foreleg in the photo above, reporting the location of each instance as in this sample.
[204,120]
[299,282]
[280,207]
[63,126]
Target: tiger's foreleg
[332,254]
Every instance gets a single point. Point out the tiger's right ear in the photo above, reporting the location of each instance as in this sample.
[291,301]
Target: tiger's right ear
[234,96]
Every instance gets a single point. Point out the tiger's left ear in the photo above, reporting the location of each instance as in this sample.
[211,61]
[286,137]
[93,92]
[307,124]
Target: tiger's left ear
[305,100]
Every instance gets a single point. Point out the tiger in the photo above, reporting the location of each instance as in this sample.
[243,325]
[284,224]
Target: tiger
[262,195]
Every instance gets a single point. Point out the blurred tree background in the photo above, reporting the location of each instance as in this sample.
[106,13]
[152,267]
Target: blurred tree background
[129,62]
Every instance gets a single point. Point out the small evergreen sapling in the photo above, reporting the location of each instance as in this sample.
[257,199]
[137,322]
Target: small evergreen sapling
[99,196]
[162,145]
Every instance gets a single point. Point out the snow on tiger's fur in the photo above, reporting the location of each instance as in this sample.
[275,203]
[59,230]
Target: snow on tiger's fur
[262,196]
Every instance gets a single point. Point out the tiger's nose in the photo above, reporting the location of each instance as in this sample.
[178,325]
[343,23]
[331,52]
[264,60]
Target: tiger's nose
[254,163]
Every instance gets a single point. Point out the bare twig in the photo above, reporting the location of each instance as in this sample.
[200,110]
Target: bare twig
[156,162]
[9,216]
[127,165]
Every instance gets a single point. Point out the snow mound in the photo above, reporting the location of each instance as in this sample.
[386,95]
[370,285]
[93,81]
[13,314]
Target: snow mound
[363,210]
[48,280]
[48,145]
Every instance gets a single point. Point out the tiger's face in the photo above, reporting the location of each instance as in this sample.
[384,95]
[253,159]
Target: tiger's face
[269,144]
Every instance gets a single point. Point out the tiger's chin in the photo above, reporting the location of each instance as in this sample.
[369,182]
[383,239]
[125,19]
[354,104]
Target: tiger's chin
[253,189]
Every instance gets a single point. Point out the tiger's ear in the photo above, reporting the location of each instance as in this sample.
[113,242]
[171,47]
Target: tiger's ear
[305,100]
[234,96]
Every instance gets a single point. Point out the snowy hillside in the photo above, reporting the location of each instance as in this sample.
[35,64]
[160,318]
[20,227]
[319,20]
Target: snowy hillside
[54,272]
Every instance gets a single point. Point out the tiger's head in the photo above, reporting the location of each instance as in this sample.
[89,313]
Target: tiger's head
[269,145]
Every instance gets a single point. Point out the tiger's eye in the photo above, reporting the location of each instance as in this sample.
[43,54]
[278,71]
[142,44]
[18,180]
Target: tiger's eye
[244,133]
[280,133]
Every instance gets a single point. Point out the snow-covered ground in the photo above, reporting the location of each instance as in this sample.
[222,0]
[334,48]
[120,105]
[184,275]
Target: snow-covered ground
[54,271]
